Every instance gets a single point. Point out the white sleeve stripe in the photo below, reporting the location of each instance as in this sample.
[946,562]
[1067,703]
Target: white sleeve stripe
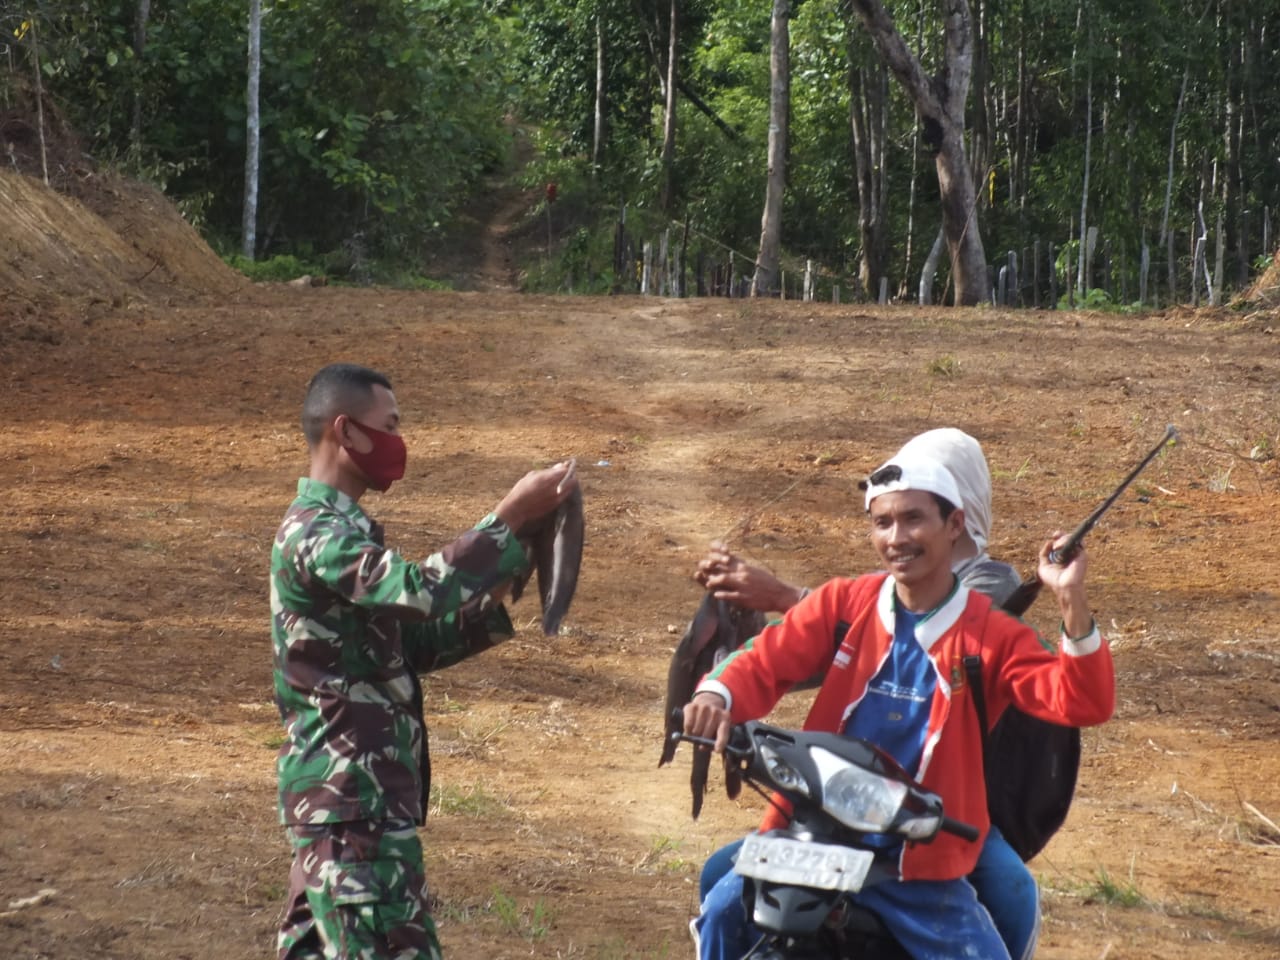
[1091,642]
[715,686]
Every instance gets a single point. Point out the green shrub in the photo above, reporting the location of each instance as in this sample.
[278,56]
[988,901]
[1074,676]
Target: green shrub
[274,269]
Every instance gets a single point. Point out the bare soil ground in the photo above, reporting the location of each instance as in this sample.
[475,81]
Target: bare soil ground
[151,446]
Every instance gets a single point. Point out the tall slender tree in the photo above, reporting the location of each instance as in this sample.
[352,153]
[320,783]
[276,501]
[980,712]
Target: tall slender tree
[249,225]
[868,111]
[666,197]
[941,100]
[768,260]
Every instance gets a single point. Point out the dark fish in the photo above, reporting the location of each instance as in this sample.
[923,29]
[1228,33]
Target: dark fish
[553,544]
[732,778]
[717,629]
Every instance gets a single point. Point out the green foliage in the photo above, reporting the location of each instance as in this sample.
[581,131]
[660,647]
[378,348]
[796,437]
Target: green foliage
[1093,299]
[470,801]
[376,117]
[1120,893]
[379,121]
[278,269]
[533,923]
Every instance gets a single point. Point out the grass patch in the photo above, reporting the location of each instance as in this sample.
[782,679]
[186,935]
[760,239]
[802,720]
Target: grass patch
[663,856]
[45,798]
[1104,889]
[274,269]
[943,366]
[467,801]
[533,923]
[1014,475]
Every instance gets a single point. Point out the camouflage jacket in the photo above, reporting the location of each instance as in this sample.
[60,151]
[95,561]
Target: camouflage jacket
[350,620]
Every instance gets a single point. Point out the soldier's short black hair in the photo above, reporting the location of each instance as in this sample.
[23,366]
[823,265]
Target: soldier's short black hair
[338,388]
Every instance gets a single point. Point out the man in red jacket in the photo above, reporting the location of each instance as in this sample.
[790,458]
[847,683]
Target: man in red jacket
[898,680]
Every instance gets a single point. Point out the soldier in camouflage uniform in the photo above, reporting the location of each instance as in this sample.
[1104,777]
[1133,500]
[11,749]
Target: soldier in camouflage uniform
[352,623]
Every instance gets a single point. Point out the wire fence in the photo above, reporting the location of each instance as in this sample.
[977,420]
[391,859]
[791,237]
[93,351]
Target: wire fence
[653,256]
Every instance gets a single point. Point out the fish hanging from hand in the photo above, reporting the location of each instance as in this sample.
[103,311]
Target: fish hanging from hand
[553,544]
[716,630]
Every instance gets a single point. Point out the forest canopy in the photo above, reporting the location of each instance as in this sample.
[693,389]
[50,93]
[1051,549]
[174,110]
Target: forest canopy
[1115,151]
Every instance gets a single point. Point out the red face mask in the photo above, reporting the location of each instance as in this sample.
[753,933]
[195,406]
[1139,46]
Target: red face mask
[384,464]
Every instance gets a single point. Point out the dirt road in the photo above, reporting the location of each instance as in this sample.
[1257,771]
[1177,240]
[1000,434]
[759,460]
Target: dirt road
[150,449]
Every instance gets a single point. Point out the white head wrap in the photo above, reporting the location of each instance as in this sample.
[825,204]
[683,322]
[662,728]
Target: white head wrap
[962,456]
[913,471]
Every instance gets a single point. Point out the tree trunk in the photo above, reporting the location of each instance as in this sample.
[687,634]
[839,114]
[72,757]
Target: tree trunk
[1082,278]
[1020,158]
[1166,234]
[597,136]
[249,224]
[139,48]
[666,199]
[30,33]
[930,269]
[981,149]
[868,108]
[1232,176]
[941,102]
[915,158]
[766,272]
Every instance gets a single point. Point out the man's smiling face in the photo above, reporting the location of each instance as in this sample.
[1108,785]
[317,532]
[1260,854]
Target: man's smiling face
[912,538]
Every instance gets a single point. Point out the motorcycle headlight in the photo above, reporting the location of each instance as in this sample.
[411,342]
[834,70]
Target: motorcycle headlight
[858,798]
[783,774]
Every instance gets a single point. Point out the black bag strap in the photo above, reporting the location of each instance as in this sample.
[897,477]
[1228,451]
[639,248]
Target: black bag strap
[842,627]
[837,636]
[973,670]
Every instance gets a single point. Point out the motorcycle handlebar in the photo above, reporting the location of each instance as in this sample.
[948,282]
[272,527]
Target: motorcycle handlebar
[964,831]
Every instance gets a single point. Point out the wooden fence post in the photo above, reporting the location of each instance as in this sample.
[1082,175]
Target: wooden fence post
[1219,258]
[1053,279]
[684,257]
[620,249]
[663,273]
[1197,255]
[1035,274]
[1143,269]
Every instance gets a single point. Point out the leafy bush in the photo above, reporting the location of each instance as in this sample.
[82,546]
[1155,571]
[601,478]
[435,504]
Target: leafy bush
[1093,299]
[273,270]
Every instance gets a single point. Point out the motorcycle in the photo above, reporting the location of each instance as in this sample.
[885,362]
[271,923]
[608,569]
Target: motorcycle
[848,797]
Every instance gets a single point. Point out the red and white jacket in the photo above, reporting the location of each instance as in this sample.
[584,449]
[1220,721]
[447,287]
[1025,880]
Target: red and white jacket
[1076,689]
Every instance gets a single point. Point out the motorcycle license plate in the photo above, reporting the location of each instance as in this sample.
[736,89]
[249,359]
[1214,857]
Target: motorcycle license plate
[821,865]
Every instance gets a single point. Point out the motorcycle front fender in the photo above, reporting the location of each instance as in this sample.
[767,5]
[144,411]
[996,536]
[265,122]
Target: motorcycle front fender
[789,910]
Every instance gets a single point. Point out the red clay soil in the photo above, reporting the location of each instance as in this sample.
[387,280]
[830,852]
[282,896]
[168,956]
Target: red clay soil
[149,424]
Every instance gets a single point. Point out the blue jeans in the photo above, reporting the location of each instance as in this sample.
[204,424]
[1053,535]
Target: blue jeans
[717,865]
[1010,894]
[1000,880]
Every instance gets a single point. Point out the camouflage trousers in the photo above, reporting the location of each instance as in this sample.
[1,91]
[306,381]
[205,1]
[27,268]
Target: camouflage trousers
[357,891]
